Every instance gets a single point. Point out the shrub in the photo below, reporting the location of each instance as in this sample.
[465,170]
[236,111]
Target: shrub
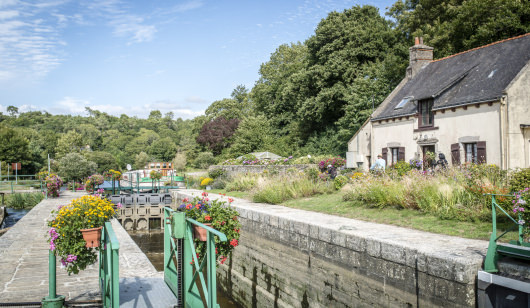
[520,180]
[206,182]
[215,173]
[312,173]
[402,167]
[53,184]
[242,183]
[23,200]
[204,160]
[340,181]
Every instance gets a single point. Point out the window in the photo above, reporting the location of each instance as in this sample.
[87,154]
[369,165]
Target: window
[403,102]
[394,155]
[425,113]
[471,152]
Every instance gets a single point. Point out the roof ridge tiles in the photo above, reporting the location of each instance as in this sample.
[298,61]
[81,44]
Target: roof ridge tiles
[480,47]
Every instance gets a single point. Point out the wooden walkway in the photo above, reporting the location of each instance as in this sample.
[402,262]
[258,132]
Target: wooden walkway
[24,266]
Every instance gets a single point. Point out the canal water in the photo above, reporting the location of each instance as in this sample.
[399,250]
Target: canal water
[13,216]
[152,244]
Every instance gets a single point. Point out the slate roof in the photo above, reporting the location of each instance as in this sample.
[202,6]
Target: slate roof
[476,75]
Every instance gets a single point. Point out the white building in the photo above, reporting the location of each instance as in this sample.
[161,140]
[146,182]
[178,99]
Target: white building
[473,106]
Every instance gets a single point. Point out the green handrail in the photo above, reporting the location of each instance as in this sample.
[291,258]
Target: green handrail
[109,277]
[490,263]
[177,226]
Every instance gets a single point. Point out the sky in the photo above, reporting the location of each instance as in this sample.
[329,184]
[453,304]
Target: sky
[131,57]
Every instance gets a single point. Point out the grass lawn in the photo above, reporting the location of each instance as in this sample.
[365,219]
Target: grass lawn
[334,205]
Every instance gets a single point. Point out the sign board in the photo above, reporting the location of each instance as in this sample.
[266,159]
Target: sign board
[16,166]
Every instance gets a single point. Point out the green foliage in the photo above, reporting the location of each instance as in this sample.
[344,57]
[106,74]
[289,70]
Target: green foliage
[23,200]
[221,216]
[282,188]
[204,160]
[520,180]
[340,181]
[401,167]
[14,147]
[179,162]
[312,173]
[74,166]
[215,173]
[66,240]
[242,183]
[104,160]
[141,160]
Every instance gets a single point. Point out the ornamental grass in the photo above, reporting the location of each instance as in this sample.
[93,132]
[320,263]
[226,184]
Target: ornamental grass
[65,238]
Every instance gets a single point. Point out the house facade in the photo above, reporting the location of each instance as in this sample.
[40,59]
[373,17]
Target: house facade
[473,106]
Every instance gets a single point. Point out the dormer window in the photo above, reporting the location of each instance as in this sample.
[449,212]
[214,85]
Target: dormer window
[426,116]
[403,102]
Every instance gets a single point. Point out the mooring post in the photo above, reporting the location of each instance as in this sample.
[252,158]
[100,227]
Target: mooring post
[52,300]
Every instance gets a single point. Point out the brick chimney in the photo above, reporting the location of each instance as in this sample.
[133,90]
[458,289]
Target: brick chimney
[420,55]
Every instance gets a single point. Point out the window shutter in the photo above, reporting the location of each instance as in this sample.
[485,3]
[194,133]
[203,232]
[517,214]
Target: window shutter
[401,154]
[384,152]
[481,152]
[455,154]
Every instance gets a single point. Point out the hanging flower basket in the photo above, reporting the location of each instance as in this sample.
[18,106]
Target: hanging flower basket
[91,236]
[200,233]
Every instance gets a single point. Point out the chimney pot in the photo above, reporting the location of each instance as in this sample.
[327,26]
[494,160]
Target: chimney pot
[416,41]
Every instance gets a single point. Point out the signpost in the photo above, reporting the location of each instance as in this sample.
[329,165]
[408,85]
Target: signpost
[16,167]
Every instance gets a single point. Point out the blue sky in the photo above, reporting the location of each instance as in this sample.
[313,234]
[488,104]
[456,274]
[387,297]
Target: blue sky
[136,56]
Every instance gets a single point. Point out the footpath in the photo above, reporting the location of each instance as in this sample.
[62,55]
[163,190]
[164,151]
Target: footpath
[24,265]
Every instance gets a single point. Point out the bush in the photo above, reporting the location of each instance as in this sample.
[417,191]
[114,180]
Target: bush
[312,173]
[402,167]
[520,180]
[23,200]
[206,181]
[215,173]
[204,160]
[242,183]
[340,181]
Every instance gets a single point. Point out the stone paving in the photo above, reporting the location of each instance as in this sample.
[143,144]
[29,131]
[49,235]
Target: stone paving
[24,264]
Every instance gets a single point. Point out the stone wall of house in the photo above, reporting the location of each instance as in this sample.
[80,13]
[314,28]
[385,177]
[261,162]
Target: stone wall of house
[295,258]
[242,169]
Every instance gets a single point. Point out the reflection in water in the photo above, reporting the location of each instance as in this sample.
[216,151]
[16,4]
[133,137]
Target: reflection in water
[152,244]
[13,216]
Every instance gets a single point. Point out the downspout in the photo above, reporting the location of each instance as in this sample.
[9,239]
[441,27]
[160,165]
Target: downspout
[504,132]
[371,142]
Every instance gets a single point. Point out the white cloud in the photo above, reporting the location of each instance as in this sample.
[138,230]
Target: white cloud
[195,99]
[70,105]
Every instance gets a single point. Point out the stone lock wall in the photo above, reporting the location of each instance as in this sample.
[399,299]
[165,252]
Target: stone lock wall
[295,258]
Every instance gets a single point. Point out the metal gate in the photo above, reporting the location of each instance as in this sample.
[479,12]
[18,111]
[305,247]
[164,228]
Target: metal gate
[183,271]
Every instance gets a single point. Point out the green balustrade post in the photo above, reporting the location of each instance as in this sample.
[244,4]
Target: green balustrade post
[490,263]
[12,187]
[52,300]
[211,269]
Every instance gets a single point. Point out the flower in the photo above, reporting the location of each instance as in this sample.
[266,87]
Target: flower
[119,205]
[207,218]
[234,242]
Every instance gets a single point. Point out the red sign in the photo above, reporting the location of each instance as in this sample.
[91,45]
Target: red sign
[16,166]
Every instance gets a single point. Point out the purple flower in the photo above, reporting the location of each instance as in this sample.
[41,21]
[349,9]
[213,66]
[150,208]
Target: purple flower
[119,205]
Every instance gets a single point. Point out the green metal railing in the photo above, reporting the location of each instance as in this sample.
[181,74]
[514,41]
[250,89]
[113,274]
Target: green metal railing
[109,275]
[109,278]
[182,267]
[21,182]
[490,263]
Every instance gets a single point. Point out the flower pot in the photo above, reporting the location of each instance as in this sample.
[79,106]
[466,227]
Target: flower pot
[200,233]
[92,236]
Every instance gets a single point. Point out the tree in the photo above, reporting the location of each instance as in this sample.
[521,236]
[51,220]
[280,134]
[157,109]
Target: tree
[71,142]
[453,26]
[104,160]
[216,134]
[141,160]
[73,166]
[179,162]
[204,160]
[13,147]
[12,110]
[253,134]
[163,149]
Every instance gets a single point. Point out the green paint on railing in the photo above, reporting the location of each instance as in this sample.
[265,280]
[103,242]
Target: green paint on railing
[494,249]
[192,267]
[109,275]
[52,300]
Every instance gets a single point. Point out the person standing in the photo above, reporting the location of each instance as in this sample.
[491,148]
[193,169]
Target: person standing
[379,164]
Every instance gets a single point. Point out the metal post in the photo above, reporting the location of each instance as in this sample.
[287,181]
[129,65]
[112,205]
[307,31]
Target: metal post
[16,175]
[490,263]
[520,240]
[52,300]
[12,191]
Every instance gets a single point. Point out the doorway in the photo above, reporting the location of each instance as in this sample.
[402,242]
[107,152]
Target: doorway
[428,158]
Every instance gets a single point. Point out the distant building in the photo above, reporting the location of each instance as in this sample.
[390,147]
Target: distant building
[166,168]
[473,106]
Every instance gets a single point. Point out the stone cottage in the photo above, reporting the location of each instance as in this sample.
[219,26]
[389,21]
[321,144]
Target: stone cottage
[473,106]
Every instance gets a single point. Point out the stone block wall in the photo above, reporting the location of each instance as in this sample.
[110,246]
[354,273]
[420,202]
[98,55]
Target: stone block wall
[295,258]
[242,169]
